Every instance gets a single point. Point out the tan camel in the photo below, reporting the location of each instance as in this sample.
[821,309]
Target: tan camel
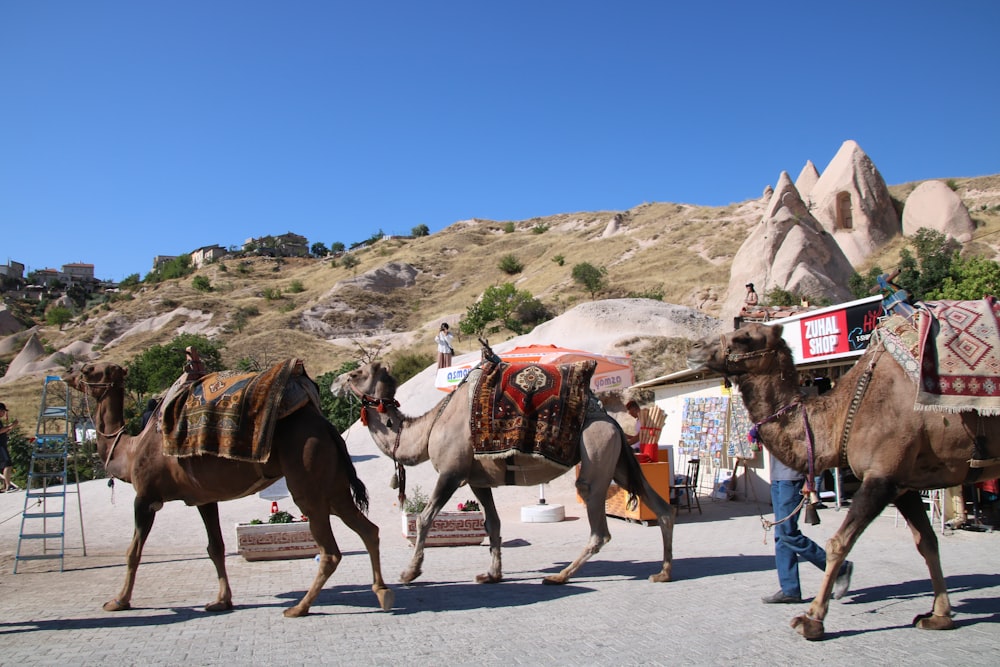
[307,451]
[894,450]
[443,435]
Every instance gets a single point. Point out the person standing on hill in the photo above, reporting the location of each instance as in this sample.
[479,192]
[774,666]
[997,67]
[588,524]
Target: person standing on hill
[445,350]
[6,463]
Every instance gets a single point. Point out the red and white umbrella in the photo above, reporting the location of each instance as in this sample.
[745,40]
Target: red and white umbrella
[613,373]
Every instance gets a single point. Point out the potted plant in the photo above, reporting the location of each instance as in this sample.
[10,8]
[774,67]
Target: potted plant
[464,526]
[282,537]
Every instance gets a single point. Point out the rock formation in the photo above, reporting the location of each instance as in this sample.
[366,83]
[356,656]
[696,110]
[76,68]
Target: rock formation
[851,201]
[936,206]
[789,249]
[32,351]
[807,179]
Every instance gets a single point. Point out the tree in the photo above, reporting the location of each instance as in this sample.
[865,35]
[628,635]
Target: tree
[350,262]
[58,316]
[340,410]
[318,249]
[968,279]
[590,277]
[420,230]
[159,366]
[336,247]
[495,311]
[131,280]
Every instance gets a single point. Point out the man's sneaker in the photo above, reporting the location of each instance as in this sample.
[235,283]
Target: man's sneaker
[781,598]
[843,581]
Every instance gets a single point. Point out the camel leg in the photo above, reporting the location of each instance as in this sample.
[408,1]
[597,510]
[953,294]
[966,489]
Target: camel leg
[484,495]
[368,532]
[443,490]
[592,485]
[666,515]
[217,552]
[144,515]
[329,558]
[871,498]
[911,506]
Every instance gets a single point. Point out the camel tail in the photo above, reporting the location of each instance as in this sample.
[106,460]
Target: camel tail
[633,472]
[358,489]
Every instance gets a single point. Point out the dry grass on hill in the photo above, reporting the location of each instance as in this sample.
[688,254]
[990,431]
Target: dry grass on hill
[257,306]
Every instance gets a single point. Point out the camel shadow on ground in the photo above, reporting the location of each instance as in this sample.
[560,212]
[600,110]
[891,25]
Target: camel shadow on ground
[966,612]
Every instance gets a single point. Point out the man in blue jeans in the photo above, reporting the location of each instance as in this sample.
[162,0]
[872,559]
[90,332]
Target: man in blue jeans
[790,544]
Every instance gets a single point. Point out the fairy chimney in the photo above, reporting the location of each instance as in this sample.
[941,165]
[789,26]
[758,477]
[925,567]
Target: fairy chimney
[851,201]
[807,179]
[936,206]
[788,249]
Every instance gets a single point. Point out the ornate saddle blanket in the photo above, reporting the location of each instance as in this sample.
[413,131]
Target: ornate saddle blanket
[232,414]
[960,356]
[951,352]
[533,409]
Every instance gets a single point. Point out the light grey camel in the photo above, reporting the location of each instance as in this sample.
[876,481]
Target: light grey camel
[444,437]
[307,450]
[894,450]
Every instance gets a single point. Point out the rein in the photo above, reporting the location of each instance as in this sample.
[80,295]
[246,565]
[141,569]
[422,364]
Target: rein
[754,434]
[117,435]
[382,405]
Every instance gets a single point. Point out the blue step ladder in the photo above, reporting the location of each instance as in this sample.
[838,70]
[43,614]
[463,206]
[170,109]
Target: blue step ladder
[43,521]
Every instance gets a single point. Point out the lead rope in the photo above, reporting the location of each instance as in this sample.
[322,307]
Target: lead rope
[807,488]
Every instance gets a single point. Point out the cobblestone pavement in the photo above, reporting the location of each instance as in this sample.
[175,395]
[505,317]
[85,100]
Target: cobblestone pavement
[608,615]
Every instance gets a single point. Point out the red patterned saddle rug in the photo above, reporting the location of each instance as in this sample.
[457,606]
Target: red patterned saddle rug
[232,414]
[533,409]
[960,356]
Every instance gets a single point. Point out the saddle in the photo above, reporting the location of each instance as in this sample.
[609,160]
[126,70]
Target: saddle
[533,409]
[232,414]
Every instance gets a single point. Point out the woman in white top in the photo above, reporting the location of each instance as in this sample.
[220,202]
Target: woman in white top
[445,351]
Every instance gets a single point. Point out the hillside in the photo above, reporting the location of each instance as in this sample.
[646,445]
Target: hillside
[403,288]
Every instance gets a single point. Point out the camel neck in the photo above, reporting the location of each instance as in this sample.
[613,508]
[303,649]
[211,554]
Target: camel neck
[402,438]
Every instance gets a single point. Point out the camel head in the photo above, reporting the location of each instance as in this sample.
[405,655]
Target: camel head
[372,380]
[752,349]
[96,379]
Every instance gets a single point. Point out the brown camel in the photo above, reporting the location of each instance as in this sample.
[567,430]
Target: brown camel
[894,450]
[443,435]
[307,451]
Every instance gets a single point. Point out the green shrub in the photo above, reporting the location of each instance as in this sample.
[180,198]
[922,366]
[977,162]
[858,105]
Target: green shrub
[201,283]
[510,265]
[407,364]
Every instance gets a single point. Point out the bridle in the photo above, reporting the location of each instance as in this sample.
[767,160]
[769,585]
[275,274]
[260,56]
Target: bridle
[729,356]
[382,405]
[754,435]
[117,435]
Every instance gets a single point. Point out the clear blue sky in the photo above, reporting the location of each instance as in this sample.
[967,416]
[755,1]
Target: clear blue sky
[133,129]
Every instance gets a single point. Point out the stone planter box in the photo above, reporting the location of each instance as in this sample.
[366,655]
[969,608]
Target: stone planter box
[450,529]
[275,541]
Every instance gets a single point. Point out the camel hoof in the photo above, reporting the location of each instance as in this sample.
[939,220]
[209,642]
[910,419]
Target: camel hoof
[488,579]
[296,612]
[386,598]
[220,605]
[554,580]
[409,575]
[932,622]
[660,577]
[116,605]
[808,627]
